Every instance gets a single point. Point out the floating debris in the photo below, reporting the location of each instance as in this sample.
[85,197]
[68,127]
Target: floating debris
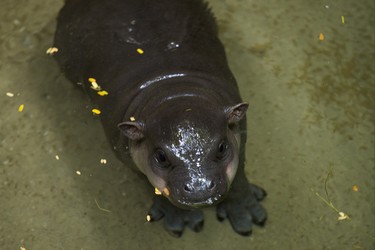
[355,188]
[57,157]
[132,119]
[342,19]
[78,172]
[9,94]
[103,161]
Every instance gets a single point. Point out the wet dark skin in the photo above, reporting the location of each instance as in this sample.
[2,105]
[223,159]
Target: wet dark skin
[173,105]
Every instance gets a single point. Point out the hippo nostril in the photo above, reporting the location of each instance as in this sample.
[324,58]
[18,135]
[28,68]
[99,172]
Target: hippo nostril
[211,185]
[188,188]
[199,187]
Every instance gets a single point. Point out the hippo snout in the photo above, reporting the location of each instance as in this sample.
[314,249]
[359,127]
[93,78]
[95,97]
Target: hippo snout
[200,185]
[198,192]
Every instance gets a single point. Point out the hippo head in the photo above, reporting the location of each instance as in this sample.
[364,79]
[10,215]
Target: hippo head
[189,153]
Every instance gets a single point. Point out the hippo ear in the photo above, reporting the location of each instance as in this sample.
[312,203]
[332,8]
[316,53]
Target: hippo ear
[132,130]
[236,113]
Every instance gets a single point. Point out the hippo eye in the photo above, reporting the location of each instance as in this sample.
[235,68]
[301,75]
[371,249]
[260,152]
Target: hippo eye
[222,151]
[161,158]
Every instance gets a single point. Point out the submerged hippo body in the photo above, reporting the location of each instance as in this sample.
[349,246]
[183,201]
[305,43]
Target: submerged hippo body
[173,105]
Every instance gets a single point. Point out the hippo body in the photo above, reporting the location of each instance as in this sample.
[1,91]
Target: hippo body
[171,103]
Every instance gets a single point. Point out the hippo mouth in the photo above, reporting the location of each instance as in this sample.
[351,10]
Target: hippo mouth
[196,200]
[197,192]
[200,204]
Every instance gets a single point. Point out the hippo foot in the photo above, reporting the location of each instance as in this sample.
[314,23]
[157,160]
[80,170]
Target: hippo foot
[242,208]
[175,219]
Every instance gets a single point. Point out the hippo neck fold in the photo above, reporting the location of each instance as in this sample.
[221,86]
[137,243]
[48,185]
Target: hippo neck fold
[160,78]
[156,90]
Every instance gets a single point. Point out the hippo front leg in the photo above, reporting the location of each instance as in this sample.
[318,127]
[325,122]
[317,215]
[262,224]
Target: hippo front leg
[242,206]
[175,219]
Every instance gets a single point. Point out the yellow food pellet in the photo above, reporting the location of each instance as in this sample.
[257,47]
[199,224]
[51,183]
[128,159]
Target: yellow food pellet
[96,111]
[21,107]
[355,188]
[102,93]
[92,79]
[342,19]
[78,172]
[95,86]
[57,157]
[9,94]
[132,119]
[148,218]
[140,51]
[321,37]
[103,161]
[157,191]
[166,191]
[52,50]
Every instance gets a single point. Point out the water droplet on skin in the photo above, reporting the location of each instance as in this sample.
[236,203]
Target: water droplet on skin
[172,45]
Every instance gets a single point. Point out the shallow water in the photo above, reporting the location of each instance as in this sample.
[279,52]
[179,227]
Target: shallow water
[311,132]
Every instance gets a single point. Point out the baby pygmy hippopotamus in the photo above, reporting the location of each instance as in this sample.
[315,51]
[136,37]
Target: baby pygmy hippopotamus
[157,73]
